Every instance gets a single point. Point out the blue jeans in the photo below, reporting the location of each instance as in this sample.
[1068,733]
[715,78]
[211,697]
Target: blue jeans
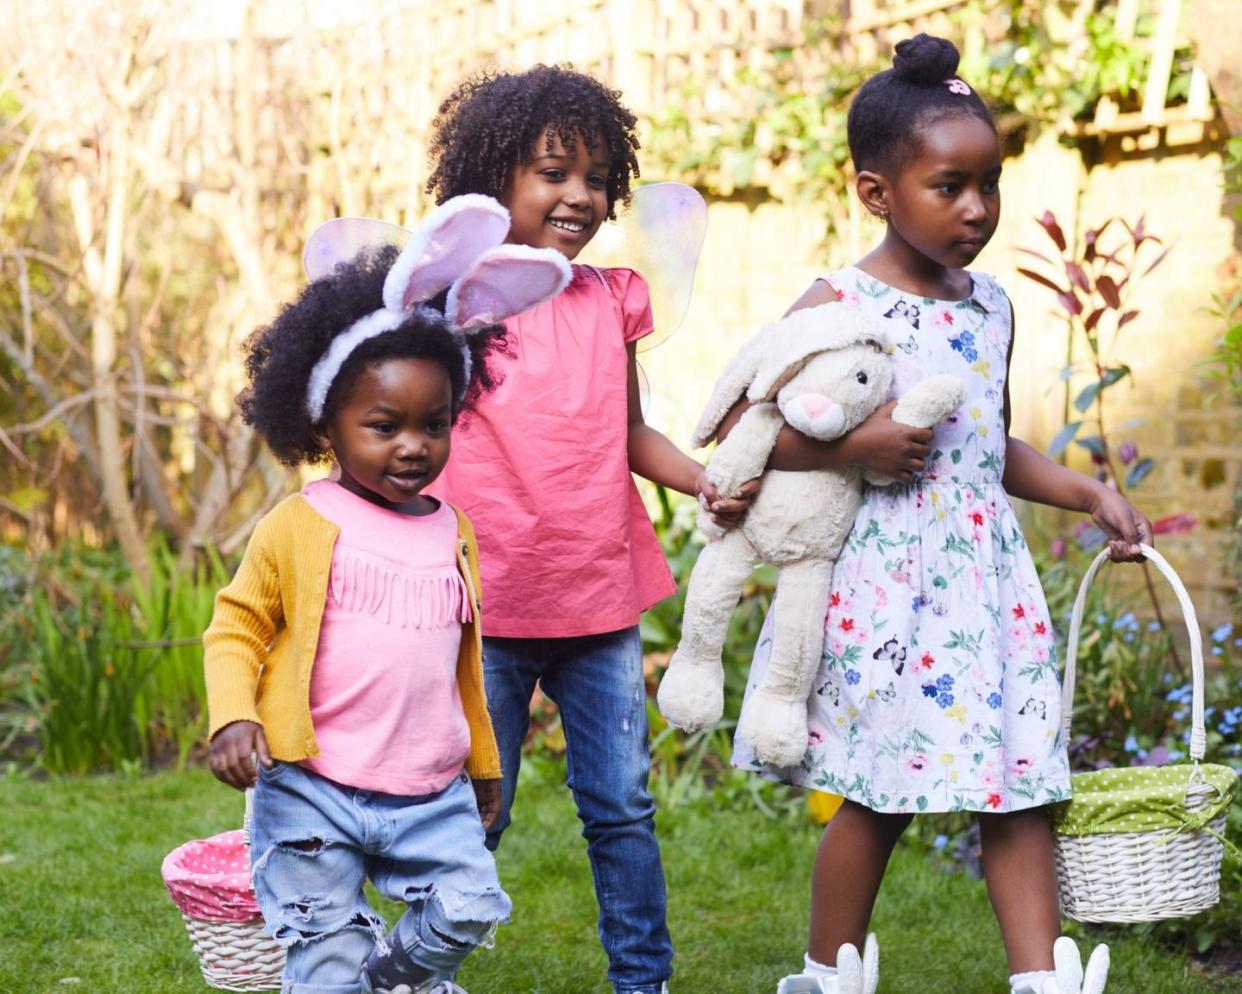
[314,843]
[597,682]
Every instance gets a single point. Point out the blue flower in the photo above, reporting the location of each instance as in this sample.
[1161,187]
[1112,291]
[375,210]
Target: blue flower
[1179,715]
[1217,651]
[994,701]
[852,676]
[1180,695]
[944,682]
[1221,633]
[945,700]
[1131,744]
[965,344]
[1153,626]
[929,690]
[940,841]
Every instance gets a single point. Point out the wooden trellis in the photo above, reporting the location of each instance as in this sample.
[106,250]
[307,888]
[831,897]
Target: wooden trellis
[650,48]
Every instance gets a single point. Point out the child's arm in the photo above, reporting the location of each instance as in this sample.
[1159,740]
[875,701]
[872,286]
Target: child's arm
[1030,475]
[655,458]
[247,614]
[880,445]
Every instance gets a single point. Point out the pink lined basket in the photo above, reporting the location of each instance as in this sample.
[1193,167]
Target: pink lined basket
[209,880]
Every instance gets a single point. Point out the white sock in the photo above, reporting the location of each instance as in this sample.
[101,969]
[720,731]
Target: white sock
[815,969]
[1029,983]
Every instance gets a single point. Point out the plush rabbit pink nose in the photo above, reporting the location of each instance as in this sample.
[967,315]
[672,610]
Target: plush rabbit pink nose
[814,404]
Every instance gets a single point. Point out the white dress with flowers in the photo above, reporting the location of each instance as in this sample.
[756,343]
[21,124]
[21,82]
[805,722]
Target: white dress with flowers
[938,689]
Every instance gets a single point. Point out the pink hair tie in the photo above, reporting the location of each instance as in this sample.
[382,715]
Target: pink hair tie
[957,86]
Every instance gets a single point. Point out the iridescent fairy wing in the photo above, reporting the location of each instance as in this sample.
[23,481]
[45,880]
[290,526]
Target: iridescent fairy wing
[660,234]
[342,238]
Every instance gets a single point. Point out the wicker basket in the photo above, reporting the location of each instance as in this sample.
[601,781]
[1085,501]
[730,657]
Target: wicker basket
[1135,876]
[235,955]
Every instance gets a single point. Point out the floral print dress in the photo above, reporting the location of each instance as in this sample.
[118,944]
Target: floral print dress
[938,688]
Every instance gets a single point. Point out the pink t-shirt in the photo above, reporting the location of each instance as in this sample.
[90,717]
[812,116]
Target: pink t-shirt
[565,545]
[383,696]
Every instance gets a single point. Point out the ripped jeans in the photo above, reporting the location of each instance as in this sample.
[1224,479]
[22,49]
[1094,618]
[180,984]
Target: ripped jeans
[315,842]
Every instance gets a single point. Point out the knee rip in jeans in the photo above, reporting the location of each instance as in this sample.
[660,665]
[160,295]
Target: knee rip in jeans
[297,913]
[470,919]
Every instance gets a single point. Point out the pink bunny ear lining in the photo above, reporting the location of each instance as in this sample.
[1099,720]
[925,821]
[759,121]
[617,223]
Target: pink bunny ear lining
[443,248]
[507,281]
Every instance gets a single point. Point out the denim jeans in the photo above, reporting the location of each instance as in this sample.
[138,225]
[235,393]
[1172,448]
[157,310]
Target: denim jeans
[315,842]
[597,682]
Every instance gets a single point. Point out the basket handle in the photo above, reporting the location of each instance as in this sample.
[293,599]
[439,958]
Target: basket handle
[248,816]
[1198,734]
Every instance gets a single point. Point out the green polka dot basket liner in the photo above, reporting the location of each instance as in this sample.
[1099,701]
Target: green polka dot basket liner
[1144,843]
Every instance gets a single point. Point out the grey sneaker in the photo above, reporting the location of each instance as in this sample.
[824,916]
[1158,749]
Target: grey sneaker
[430,987]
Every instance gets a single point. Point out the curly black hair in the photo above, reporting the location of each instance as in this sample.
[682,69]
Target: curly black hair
[491,122]
[891,109]
[281,355]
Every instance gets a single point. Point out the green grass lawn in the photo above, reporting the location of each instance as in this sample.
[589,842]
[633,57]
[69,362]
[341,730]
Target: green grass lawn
[82,907]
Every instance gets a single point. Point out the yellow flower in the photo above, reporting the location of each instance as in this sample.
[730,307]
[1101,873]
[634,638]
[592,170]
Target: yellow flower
[822,806]
[853,711]
[935,497]
[953,776]
[946,758]
[983,431]
[976,413]
[958,711]
[982,367]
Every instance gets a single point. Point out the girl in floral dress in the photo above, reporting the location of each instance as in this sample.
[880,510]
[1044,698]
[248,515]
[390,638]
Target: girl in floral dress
[938,689]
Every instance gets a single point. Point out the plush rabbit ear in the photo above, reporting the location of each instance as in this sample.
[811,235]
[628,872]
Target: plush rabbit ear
[849,970]
[730,388]
[871,965]
[505,281]
[342,238]
[1068,962]
[799,337]
[443,248]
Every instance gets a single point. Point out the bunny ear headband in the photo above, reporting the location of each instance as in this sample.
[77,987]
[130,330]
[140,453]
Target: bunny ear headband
[459,246]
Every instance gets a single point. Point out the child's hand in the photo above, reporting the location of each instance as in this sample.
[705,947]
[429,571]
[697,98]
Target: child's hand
[487,794]
[231,749]
[1123,523]
[727,512]
[886,448]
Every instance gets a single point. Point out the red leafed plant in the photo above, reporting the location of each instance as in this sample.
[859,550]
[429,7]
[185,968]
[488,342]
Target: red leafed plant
[1094,288]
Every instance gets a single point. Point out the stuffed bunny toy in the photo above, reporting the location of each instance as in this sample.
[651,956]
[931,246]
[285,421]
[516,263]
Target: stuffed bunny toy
[821,370]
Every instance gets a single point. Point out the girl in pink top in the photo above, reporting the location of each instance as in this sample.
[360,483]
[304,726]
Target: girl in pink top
[543,469]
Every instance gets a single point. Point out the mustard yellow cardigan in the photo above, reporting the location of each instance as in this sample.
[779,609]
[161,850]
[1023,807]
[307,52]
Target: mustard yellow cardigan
[261,643]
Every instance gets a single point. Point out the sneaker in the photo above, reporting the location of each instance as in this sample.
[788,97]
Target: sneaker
[804,983]
[430,987]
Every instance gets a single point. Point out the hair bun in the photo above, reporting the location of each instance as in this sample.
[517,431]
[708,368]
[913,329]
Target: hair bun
[926,59]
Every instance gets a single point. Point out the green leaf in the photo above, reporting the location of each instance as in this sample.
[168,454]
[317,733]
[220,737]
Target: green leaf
[1063,438]
[1139,472]
[1114,374]
[1087,397]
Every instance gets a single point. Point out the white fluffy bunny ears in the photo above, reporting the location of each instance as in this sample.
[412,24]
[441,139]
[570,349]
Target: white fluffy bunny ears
[459,247]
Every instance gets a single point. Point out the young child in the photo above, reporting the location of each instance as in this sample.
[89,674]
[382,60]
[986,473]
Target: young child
[346,652]
[938,689]
[569,555]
